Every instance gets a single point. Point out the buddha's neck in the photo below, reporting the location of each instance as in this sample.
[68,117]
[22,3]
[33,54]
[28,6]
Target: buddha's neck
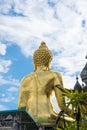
[41,68]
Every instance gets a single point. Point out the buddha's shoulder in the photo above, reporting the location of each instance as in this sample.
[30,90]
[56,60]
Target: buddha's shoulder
[27,77]
[56,73]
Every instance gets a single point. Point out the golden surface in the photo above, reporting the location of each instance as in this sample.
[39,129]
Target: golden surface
[35,91]
[42,56]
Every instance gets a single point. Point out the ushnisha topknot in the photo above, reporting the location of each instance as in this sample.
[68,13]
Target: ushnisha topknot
[42,56]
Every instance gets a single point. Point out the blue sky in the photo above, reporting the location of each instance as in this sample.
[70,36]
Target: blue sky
[62,24]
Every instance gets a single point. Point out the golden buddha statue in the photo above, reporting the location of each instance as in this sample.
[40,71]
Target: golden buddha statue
[37,87]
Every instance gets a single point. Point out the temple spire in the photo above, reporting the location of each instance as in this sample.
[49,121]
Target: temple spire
[77,85]
[84,74]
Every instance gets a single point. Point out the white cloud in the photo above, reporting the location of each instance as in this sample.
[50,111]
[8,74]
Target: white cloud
[8,81]
[5,6]
[2,49]
[3,95]
[3,107]
[12,89]
[60,26]
[4,65]
[7,99]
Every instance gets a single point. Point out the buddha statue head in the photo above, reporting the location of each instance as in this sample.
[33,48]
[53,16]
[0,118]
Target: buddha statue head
[42,57]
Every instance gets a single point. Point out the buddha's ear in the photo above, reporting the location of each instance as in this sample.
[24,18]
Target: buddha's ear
[48,67]
[35,67]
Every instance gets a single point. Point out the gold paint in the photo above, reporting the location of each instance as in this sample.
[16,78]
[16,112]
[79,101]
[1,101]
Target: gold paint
[37,87]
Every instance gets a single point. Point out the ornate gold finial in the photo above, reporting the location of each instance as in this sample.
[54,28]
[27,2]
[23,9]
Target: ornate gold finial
[43,44]
[42,56]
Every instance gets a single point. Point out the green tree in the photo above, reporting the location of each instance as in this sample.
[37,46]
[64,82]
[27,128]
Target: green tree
[78,101]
